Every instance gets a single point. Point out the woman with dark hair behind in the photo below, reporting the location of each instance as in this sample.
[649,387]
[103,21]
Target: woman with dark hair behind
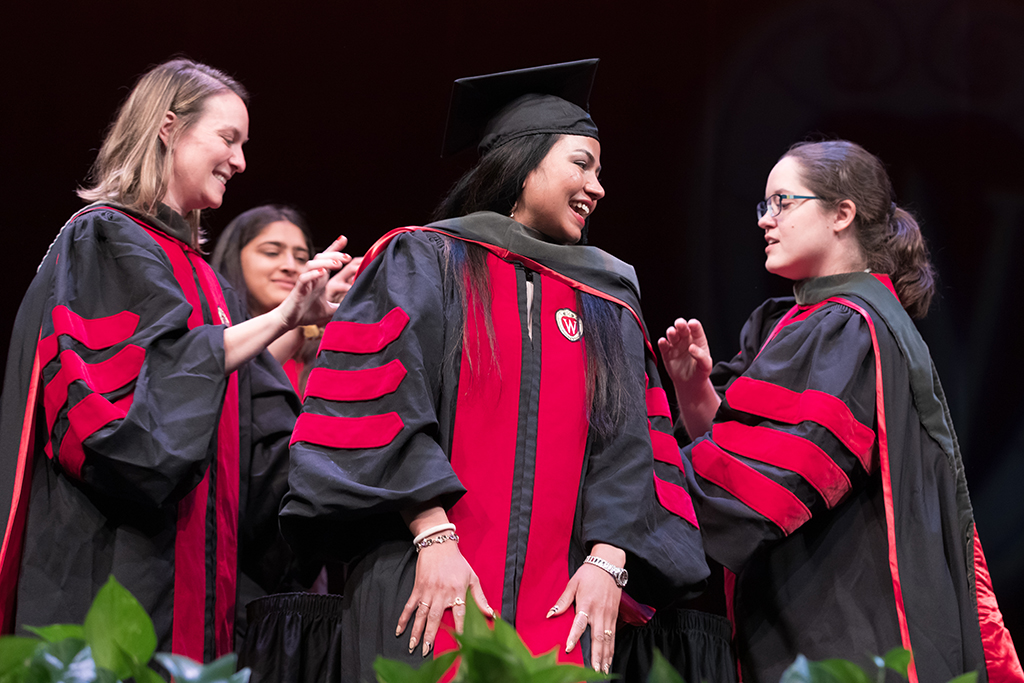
[262,253]
[501,430]
[144,433]
[828,476]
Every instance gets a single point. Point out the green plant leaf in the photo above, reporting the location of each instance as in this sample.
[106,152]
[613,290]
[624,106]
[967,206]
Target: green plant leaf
[840,670]
[119,630]
[897,659]
[475,624]
[68,661]
[568,673]
[662,671]
[15,652]
[186,670]
[969,677]
[391,671]
[57,632]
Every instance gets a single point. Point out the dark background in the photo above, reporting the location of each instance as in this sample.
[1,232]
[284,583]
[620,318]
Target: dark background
[695,100]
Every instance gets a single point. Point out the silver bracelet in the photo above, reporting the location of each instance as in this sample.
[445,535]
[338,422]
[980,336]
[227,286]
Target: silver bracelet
[448,526]
[442,538]
[620,575]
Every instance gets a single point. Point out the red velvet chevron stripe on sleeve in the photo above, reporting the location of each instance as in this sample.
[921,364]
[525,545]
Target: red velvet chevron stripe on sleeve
[771,401]
[96,333]
[749,486]
[372,431]
[106,376]
[355,385]
[352,337]
[657,403]
[672,497]
[787,451]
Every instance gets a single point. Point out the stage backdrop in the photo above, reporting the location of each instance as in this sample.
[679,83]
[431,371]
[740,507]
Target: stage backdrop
[695,100]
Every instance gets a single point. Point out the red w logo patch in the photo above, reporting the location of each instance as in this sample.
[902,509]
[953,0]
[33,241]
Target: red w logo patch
[569,324]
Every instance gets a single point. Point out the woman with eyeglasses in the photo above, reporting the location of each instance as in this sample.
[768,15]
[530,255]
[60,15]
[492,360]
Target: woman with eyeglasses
[830,480]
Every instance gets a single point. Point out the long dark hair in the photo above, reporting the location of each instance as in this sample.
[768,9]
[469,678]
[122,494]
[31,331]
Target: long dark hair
[889,236]
[494,184]
[246,226]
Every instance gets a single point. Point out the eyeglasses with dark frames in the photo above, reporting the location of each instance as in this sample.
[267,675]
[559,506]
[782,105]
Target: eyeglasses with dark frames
[774,204]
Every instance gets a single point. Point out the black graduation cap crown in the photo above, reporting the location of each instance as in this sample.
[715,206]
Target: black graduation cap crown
[491,110]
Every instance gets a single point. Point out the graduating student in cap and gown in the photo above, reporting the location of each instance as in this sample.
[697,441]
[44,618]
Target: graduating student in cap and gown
[486,414]
[144,433]
[828,476]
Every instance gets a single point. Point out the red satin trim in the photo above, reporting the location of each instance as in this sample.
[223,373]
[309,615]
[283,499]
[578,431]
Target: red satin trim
[188,630]
[352,337]
[773,402]
[355,385]
[96,333]
[657,403]
[190,587]
[1001,660]
[762,495]
[787,451]
[372,431]
[228,479]
[676,500]
[10,551]
[187,633]
[562,429]
[887,494]
[487,412]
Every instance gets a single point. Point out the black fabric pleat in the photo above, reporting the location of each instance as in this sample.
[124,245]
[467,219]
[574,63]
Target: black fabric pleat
[293,638]
[697,644]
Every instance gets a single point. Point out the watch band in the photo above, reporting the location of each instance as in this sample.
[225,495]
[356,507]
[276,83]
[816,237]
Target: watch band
[620,575]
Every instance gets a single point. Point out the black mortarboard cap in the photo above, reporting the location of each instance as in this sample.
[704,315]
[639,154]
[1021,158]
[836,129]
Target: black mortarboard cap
[490,110]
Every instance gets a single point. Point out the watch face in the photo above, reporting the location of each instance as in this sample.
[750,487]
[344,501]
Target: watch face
[623,578]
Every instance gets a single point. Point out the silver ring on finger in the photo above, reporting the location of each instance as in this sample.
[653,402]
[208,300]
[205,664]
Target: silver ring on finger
[609,634]
[581,613]
[458,602]
[425,604]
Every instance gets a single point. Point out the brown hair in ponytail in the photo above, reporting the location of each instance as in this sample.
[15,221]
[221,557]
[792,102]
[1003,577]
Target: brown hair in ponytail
[889,236]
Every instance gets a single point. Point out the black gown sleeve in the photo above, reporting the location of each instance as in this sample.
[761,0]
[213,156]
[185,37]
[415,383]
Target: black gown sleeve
[132,396]
[367,444]
[635,496]
[793,436]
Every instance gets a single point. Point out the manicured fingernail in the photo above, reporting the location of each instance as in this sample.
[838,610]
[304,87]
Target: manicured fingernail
[398,631]
[412,644]
[552,610]
[426,648]
[339,238]
[606,668]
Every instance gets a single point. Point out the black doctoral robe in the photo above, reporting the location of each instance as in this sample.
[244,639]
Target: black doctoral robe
[831,484]
[399,411]
[125,450]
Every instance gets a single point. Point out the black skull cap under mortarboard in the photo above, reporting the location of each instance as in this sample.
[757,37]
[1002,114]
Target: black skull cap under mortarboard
[491,110]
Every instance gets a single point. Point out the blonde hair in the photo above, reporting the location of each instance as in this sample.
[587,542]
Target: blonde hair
[133,165]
